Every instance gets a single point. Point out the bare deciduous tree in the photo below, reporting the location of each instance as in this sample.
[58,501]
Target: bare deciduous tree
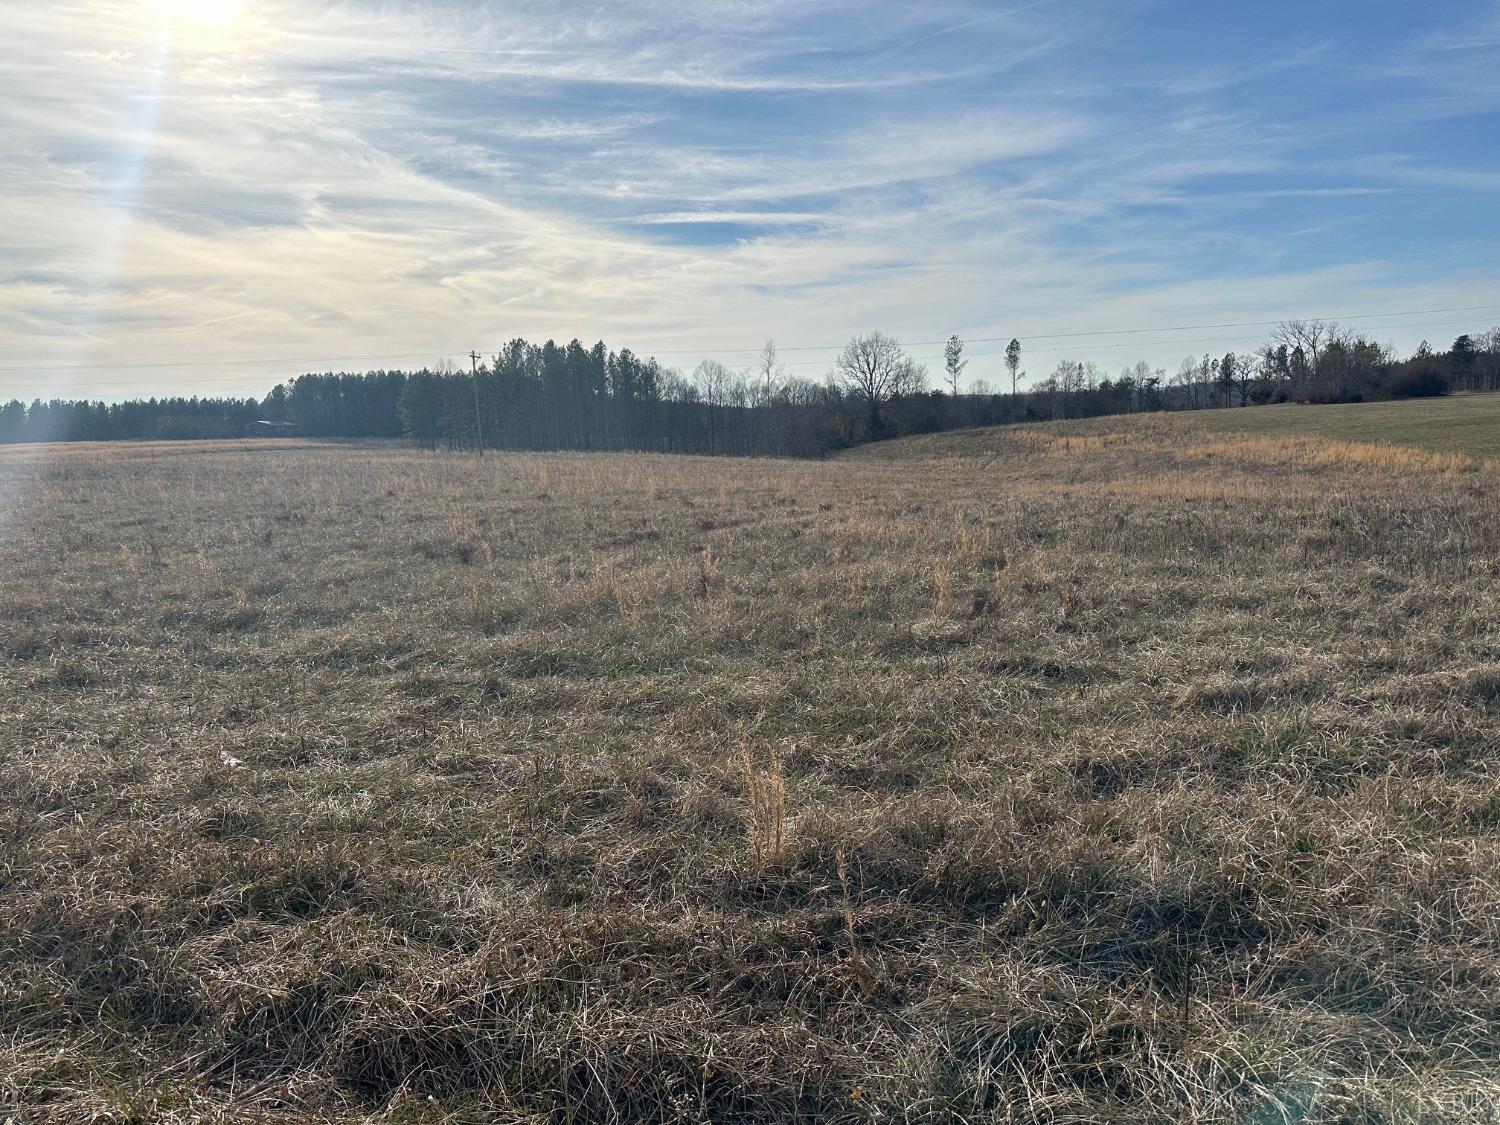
[714,383]
[1312,336]
[875,369]
[770,373]
[1187,379]
[1487,369]
[1243,374]
[1308,339]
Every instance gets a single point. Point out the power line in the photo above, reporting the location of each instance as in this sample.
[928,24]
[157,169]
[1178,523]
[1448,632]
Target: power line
[1129,343]
[222,362]
[291,361]
[298,360]
[1105,331]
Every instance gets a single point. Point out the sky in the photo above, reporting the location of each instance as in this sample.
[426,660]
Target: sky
[208,196]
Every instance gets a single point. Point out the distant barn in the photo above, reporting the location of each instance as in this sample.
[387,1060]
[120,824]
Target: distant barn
[267,428]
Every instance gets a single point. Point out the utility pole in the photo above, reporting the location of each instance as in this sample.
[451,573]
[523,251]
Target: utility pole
[478,427]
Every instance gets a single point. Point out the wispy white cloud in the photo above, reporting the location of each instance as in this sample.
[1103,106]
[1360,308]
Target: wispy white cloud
[747,218]
[328,178]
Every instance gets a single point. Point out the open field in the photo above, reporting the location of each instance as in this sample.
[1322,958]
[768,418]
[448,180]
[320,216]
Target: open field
[1461,426]
[1131,772]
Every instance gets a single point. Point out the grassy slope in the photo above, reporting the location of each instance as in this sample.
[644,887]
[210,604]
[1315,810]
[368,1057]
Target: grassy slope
[1465,425]
[1135,778]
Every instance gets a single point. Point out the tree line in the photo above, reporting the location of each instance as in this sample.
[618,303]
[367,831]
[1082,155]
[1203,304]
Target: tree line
[569,396]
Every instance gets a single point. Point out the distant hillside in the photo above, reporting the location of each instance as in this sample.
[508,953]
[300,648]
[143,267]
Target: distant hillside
[1463,425]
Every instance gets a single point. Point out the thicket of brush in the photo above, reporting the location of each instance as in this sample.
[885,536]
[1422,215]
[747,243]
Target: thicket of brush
[1144,778]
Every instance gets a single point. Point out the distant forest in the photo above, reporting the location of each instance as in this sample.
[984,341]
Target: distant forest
[553,396]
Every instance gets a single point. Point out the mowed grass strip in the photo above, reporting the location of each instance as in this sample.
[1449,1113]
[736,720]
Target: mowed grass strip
[1464,427]
[1097,775]
[1467,424]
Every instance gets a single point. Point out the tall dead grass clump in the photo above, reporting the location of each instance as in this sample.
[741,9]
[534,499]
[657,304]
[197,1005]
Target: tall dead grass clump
[862,973]
[856,529]
[859,581]
[942,585]
[974,542]
[600,587]
[469,539]
[765,815]
[208,567]
[710,575]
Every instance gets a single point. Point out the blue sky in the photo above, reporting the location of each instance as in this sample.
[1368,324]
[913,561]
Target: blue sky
[405,181]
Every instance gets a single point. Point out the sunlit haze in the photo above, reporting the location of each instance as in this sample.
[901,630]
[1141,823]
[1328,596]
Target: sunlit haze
[215,13]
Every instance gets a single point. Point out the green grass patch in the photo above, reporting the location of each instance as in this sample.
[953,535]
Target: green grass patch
[1466,424]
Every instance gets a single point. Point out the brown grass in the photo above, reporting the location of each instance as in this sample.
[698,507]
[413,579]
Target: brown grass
[765,815]
[352,784]
[1321,451]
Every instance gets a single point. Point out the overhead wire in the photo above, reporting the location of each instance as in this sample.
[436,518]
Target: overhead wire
[387,357]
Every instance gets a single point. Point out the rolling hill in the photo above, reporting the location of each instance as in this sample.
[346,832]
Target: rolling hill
[1465,426]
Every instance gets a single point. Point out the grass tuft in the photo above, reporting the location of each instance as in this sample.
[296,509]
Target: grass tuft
[765,814]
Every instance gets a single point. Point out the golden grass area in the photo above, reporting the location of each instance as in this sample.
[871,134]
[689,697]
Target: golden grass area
[1322,451]
[1135,773]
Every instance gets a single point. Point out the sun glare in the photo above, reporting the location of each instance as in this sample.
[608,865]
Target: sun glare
[204,13]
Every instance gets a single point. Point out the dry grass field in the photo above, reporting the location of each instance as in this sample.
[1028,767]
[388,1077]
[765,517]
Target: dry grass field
[1137,772]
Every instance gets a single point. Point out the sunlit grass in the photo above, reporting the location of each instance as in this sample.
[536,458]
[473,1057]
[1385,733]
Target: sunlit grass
[1141,777]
